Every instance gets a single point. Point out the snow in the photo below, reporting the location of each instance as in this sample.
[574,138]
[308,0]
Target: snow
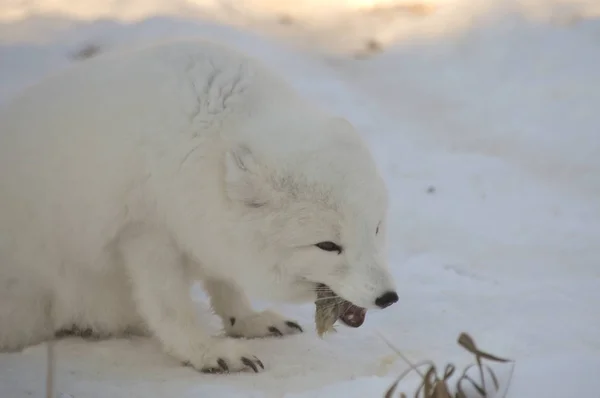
[488,132]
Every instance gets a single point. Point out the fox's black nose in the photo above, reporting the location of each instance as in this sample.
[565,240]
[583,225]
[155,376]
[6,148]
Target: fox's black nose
[386,299]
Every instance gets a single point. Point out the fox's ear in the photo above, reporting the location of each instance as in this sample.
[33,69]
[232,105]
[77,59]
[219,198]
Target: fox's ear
[244,181]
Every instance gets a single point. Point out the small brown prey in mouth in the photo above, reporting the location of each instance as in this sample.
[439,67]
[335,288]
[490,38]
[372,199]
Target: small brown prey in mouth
[330,307]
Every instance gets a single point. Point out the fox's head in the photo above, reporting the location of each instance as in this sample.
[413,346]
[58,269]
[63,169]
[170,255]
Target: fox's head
[313,207]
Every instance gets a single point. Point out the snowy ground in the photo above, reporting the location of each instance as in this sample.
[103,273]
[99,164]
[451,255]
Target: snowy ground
[490,141]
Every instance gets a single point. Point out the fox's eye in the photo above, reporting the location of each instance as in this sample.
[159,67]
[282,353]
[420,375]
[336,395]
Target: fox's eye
[329,247]
[377,229]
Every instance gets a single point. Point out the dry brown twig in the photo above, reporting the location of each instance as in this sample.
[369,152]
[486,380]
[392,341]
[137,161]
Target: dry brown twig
[434,386]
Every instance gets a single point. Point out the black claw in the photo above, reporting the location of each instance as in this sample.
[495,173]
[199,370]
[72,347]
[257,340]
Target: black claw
[275,331]
[259,362]
[232,320]
[294,325]
[223,364]
[250,364]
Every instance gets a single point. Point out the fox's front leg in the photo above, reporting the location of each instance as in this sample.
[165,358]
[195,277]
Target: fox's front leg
[238,316]
[161,290]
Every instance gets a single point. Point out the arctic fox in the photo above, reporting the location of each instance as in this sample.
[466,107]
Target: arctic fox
[126,178]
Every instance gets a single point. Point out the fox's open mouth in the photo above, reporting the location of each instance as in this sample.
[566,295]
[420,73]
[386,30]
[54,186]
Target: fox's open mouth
[350,314]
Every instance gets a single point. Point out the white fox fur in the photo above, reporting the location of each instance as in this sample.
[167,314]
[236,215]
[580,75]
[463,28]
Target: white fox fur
[127,177]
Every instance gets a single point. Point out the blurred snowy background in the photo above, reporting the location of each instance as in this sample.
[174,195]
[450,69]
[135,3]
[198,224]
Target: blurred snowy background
[485,118]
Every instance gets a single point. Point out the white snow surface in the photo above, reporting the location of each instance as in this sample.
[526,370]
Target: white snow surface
[489,139]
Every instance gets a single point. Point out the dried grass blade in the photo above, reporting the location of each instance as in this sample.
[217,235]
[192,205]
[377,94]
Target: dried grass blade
[512,369]
[429,382]
[493,376]
[441,390]
[405,359]
[393,387]
[480,390]
[449,371]
[390,391]
[459,391]
[468,344]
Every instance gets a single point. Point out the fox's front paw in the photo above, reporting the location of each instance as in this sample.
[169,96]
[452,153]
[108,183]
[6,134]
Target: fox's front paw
[261,324]
[224,355]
